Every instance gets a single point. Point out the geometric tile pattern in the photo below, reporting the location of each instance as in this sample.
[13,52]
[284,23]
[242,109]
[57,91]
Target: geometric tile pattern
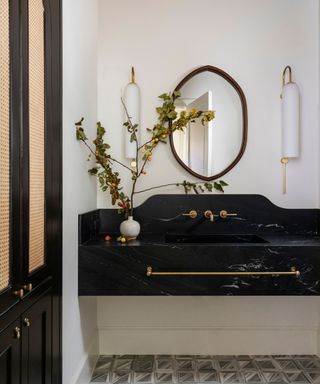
[200,369]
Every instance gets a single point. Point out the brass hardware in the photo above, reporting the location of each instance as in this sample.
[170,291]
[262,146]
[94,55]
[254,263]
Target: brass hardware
[224,214]
[19,293]
[192,214]
[287,68]
[17,333]
[133,76]
[209,215]
[27,287]
[284,162]
[26,322]
[292,272]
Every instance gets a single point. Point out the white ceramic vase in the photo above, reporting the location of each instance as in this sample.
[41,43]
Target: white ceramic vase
[130,228]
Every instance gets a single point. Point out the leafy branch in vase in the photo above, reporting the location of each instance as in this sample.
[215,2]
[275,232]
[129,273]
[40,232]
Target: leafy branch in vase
[168,122]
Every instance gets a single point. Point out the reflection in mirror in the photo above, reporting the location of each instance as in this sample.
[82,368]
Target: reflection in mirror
[210,150]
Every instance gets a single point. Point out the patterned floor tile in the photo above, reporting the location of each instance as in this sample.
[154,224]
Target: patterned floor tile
[287,364]
[99,377]
[252,377]
[142,365]
[314,376]
[164,364]
[308,363]
[227,365]
[267,364]
[210,376]
[201,369]
[121,378]
[186,377]
[230,377]
[104,363]
[274,377]
[164,377]
[122,364]
[248,365]
[297,377]
[205,364]
[185,365]
[143,378]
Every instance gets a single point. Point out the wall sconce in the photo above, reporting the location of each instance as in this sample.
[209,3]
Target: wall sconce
[132,102]
[290,122]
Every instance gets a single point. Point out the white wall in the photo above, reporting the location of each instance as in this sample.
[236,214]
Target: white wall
[252,40]
[79,190]
[208,325]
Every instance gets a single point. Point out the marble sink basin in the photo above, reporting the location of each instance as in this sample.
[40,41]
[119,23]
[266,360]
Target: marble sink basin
[214,238]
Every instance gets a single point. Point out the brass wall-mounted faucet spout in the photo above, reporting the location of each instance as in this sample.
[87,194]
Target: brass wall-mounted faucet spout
[192,214]
[225,214]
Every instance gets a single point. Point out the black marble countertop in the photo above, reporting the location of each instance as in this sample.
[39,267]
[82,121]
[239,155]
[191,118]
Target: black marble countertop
[159,240]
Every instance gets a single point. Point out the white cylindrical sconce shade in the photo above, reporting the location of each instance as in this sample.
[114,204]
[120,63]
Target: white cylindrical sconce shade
[131,99]
[290,120]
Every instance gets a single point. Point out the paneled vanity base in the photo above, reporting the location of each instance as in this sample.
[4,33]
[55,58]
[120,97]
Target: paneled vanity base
[150,369]
[261,250]
[198,270]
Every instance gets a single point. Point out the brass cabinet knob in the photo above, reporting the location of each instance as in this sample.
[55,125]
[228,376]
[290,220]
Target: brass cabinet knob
[26,322]
[224,214]
[19,293]
[17,333]
[192,214]
[27,287]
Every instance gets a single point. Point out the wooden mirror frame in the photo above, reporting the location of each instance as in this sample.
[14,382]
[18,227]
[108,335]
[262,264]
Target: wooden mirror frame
[242,97]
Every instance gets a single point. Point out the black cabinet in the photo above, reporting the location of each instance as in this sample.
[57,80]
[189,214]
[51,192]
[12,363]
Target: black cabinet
[26,343]
[30,191]
[10,353]
[36,338]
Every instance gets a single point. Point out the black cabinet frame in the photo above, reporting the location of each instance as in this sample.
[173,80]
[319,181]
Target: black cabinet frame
[48,277]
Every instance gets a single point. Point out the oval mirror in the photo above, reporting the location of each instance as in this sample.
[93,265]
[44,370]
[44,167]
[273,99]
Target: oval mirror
[211,150]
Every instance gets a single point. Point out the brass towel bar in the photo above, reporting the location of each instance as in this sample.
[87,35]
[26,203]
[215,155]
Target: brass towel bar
[292,272]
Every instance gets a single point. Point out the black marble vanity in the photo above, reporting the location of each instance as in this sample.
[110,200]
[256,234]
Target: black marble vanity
[264,250]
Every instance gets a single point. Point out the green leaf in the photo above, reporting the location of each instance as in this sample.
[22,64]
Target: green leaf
[79,122]
[100,129]
[208,186]
[80,135]
[176,94]
[164,96]
[93,171]
[223,183]
[172,115]
[218,187]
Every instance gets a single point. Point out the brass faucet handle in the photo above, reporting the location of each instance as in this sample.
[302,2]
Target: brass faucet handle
[225,214]
[192,214]
[209,215]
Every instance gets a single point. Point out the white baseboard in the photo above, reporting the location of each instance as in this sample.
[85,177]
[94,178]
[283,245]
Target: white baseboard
[208,340]
[86,366]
